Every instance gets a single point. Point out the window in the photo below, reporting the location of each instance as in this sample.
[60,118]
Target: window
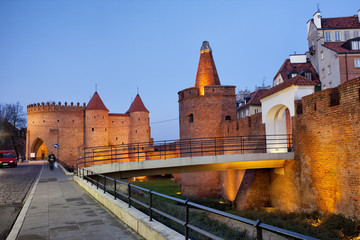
[308,75]
[355,45]
[256,111]
[328,36]
[329,69]
[323,72]
[293,75]
[337,36]
[191,118]
[357,63]
[347,35]
[356,34]
[92,129]
[227,117]
[322,56]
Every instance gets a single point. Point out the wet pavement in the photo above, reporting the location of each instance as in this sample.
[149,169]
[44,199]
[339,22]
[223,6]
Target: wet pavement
[60,209]
[14,186]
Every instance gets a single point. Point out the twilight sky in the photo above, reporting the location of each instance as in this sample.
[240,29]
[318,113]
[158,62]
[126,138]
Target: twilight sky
[59,50]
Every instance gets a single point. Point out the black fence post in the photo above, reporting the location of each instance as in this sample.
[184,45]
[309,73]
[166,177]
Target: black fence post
[190,148]
[150,204]
[115,189]
[129,194]
[258,230]
[104,184]
[215,145]
[165,148]
[138,151]
[186,220]
[97,181]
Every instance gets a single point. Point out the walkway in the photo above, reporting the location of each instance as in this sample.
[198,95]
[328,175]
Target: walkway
[60,209]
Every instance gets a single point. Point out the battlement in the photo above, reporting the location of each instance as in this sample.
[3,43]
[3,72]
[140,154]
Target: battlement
[344,96]
[209,90]
[52,107]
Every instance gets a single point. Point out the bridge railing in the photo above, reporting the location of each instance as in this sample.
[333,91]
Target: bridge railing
[183,213]
[193,147]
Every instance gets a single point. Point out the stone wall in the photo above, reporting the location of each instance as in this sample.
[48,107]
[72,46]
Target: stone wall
[326,134]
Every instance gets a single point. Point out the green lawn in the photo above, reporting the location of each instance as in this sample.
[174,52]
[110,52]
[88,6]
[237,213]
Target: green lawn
[163,185]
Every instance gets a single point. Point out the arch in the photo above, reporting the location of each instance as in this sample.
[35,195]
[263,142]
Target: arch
[278,126]
[40,149]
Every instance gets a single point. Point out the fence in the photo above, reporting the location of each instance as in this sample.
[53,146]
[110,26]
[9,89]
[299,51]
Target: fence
[185,148]
[126,191]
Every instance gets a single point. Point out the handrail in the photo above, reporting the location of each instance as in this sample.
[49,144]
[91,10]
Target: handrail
[185,148]
[94,179]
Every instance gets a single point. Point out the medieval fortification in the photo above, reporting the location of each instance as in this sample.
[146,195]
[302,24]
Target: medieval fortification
[324,176]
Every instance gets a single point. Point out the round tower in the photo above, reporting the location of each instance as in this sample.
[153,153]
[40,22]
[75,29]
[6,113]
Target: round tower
[139,121]
[203,110]
[96,123]
[205,107]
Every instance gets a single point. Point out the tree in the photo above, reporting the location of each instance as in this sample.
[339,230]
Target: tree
[12,124]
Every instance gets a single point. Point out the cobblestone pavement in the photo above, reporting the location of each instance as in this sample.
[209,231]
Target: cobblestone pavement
[14,186]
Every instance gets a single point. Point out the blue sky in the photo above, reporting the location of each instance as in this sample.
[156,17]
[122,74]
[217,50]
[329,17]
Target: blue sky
[59,50]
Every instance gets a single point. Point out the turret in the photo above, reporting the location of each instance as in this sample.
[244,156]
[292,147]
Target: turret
[96,122]
[206,73]
[203,108]
[139,121]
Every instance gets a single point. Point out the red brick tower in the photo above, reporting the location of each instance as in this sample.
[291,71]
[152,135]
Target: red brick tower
[203,110]
[139,121]
[96,122]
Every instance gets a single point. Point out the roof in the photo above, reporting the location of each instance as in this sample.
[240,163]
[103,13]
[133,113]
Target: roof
[206,73]
[299,68]
[295,81]
[341,22]
[341,47]
[254,98]
[137,105]
[96,103]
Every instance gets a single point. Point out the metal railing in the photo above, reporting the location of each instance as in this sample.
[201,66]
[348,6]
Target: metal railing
[185,148]
[126,191]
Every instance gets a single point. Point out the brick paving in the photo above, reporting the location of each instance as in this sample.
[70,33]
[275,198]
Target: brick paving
[14,186]
[60,209]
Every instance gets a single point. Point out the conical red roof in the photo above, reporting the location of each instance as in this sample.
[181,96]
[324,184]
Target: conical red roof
[137,105]
[206,73]
[96,103]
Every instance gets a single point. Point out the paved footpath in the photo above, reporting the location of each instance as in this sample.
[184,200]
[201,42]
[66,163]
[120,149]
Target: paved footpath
[60,209]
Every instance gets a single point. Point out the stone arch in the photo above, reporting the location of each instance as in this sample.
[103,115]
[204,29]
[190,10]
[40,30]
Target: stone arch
[278,128]
[40,149]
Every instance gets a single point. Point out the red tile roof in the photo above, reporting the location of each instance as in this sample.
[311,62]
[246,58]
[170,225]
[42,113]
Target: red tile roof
[338,47]
[340,22]
[137,105]
[295,81]
[299,68]
[254,98]
[96,103]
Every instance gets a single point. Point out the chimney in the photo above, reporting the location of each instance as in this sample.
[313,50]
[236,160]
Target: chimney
[317,19]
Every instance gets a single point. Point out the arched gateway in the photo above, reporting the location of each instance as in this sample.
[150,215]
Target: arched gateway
[278,108]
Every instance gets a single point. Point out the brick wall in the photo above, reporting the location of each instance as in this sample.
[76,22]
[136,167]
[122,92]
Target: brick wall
[327,150]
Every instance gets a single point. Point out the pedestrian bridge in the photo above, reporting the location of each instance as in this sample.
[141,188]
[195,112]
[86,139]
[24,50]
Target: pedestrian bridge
[190,155]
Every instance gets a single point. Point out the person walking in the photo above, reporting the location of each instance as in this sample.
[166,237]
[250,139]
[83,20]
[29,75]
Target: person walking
[52,160]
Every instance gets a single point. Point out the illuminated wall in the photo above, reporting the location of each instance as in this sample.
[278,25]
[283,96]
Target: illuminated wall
[326,133]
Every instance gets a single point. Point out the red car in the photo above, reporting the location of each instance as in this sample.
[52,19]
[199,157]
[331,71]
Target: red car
[8,158]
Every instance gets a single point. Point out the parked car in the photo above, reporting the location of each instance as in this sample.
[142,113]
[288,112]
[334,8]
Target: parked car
[8,158]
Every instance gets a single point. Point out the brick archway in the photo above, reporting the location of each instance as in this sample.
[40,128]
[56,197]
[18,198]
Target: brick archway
[40,149]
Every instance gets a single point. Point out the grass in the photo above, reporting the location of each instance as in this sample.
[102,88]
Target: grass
[314,224]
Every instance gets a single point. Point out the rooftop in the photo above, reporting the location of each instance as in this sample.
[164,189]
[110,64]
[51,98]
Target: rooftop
[295,81]
[96,103]
[340,22]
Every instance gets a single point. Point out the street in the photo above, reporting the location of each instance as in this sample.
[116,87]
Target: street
[15,183]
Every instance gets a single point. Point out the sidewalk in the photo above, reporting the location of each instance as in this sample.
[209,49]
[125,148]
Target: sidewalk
[60,209]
